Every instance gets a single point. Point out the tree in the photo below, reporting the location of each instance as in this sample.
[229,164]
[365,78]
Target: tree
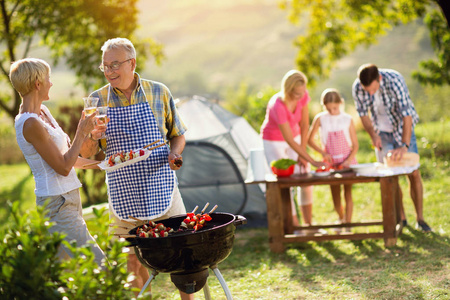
[72,30]
[336,28]
[436,72]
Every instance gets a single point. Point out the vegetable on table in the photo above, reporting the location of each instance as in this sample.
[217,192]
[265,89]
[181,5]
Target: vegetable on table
[283,163]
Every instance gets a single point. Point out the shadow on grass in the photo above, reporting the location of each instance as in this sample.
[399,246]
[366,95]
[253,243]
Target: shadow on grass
[12,194]
[364,268]
[430,241]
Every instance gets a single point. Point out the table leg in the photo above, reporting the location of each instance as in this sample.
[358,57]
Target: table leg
[275,217]
[389,195]
[398,209]
[286,204]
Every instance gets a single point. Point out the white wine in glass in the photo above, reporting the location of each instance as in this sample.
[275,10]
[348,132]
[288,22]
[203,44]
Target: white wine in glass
[102,118]
[90,105]
[89,111]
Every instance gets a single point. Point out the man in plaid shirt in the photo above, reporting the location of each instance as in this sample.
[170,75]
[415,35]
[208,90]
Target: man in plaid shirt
[384,94]
[140,112]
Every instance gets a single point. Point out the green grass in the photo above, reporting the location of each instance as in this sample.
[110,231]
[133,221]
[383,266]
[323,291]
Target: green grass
[416,268]
[16,184]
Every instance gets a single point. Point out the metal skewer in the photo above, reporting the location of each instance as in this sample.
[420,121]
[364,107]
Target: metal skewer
[139,221]
[119,226]
[125,235]
[214,208]
[160,145]
[204,208]
[151,144]
[134,225]
[91,164]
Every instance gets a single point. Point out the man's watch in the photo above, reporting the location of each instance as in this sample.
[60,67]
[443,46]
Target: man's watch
[405,145]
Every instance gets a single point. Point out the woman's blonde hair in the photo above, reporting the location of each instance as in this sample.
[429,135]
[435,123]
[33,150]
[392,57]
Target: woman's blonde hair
[24,73]
[331,96]
[291,80]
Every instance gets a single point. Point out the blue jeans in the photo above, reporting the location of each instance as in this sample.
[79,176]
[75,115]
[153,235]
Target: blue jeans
[388,143]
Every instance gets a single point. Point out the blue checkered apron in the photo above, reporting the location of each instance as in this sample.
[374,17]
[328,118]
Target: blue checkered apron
[142,190]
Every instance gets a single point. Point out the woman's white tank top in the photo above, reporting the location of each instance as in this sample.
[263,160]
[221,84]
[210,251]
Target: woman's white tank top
[48,181]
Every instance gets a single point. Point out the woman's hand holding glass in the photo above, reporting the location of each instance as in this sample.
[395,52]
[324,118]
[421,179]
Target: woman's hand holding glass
[86,124]
[90,107]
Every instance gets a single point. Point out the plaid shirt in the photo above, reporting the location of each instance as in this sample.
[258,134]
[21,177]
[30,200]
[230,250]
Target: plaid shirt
[395,96]
[159,98]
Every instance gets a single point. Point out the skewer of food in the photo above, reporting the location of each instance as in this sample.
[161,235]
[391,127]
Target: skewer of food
[191,222]
[153,229]
[122,156]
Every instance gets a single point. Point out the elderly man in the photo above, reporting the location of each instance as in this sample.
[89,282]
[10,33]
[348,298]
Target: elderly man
[140,112]
[384,93]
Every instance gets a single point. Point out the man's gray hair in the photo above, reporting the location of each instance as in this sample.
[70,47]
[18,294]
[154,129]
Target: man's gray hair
[120,43]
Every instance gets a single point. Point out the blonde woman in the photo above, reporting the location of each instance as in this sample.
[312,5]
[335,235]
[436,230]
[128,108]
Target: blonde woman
[50,153]
[285,129]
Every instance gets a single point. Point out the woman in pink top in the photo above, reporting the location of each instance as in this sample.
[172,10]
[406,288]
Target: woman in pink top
[285,129]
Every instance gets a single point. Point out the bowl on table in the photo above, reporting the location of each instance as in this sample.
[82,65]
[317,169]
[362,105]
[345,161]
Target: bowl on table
[283,172]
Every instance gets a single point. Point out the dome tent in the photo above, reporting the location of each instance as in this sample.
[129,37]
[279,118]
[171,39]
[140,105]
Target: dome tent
[215,161]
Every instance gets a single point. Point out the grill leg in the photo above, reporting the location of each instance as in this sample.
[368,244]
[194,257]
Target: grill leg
[152,275]
[222,282]
[206,291]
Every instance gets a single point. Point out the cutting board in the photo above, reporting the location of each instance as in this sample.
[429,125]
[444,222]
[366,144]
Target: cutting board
[409,159]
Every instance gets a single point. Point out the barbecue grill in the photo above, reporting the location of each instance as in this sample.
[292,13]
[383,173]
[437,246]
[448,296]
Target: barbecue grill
[188,254]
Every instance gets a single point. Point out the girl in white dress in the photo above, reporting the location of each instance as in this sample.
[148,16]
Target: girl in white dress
[50,154]
[339,145]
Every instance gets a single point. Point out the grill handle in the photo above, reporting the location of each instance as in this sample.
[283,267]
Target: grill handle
[132,242]
[240,220]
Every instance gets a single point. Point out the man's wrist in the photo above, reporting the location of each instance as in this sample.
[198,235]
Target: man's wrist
[405,145]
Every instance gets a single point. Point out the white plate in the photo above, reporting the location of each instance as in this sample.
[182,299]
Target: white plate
[365,168]
[320,174]
[104,164]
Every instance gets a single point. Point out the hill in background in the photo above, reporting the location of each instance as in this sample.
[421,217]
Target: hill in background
[212,45]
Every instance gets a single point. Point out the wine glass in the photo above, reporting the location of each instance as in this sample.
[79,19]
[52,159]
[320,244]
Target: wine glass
[102,119]
[90,105]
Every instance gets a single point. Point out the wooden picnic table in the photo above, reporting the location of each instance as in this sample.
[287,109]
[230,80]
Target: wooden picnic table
[279,210]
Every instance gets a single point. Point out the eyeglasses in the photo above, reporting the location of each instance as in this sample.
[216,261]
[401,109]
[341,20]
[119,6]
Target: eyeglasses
[112,67]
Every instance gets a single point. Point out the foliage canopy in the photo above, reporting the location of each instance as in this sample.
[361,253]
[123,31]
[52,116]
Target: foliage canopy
[72,30]
[336,28]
